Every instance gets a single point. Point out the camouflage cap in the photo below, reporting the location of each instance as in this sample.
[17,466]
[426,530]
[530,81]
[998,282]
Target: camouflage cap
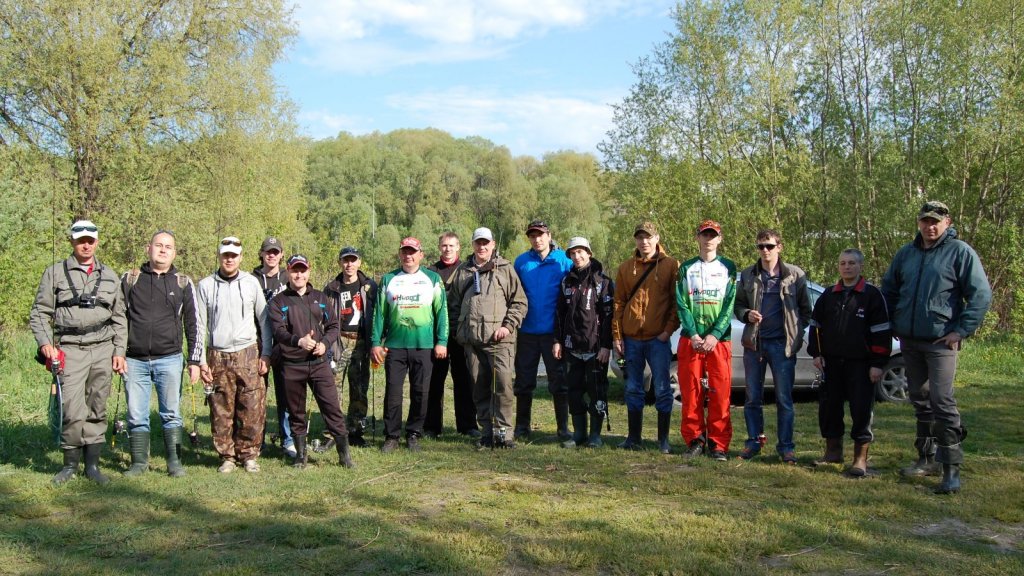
[646,226]
[933,209]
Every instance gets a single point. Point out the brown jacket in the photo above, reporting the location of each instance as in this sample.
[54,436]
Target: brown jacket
[653,309]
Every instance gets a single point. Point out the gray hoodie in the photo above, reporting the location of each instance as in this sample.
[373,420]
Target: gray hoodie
[232,311]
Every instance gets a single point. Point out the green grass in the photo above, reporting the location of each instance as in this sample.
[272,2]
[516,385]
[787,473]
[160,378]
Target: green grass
[536,510]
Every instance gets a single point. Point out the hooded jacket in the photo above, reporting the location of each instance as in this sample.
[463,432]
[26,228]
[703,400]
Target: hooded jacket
[796,304]
[234,313]
[934,291]
[159,305]
[583,319]
[484,298]
[652,310]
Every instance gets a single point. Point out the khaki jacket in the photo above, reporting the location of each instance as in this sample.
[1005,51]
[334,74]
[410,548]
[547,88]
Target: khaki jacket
[653,309]
[53,318]
[501,301]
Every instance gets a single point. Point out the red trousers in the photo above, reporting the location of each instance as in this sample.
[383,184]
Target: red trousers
[716,428]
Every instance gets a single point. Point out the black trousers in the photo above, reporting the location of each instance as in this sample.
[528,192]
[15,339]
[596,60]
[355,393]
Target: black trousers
[846,381]
[321,380]
[417,364]
[462,392]
[588,384]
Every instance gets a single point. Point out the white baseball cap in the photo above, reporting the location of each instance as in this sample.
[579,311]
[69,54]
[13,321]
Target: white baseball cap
[483,233]
[84,229]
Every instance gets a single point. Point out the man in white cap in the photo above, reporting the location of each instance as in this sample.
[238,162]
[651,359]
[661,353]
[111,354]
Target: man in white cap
[488,306]
[78,320]
[233,313]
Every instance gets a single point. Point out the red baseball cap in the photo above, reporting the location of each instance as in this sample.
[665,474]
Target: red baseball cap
[411,242]
[709,225]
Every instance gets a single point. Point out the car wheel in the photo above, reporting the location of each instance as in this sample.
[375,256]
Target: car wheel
[893,385]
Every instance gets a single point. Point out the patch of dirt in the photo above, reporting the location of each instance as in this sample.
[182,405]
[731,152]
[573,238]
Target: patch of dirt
[1005,538]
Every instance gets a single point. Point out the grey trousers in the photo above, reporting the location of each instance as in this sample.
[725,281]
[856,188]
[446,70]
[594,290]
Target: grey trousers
[490,372]
[87,382]
[930,372]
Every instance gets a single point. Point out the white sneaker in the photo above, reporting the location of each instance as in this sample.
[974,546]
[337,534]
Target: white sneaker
[252,466]
[227,467]
[289,450]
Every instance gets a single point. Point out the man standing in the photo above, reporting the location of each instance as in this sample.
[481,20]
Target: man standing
[410,323]
[489,304]
[939,294]
[850,341]
[160,303]
[540,269]
[642,326]
[462,393]
[352,294]
[232,312]
[78,319]
[772,301]
[305,326]
[583,339]
[704,296]
[273,280]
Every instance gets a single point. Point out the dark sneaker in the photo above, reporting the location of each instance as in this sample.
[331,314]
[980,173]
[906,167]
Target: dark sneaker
[696,449]
[521,433]
[322,447]
[719,455]
[389,446]
[630,444]
[484,442]
[357,441]
[750,450]
[472,433]
[431,434]
[788,457]
[413,443]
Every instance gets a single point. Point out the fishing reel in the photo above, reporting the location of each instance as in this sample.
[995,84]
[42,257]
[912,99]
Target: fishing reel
[120,427]
[193,438]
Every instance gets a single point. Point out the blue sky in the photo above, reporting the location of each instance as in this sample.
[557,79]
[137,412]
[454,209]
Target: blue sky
[535,76]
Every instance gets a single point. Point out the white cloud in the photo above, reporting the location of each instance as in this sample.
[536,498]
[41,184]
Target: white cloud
[319,124]
[532,123]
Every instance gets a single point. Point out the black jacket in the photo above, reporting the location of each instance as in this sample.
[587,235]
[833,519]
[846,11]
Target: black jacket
[583,315]
[851,324]
[369,290]
[271,285]
[158,307]
[293,316]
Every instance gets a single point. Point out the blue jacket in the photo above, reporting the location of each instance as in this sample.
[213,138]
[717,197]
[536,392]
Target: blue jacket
[541,280]
[932,292]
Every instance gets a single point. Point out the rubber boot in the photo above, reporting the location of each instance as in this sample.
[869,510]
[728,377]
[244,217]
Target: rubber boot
[301,456]
[561,402]
[343,456]
[833,452]
[138,444]
[636,426]
[579,429]
[92,464]
[596,420]
[859,467]
[950,479]
[172,444]
[524,408]
[664,418]
[925,464]
[72,456]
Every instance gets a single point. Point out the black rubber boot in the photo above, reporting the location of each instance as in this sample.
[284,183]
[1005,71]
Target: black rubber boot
[561,402]
[343,456]
[664,418]
[301,456]
[92,464]
[524,408]
[950,479]
[925,464]
[138,444]
[579,427]
[636,425]
[72,456]
[172,444]
[596,421]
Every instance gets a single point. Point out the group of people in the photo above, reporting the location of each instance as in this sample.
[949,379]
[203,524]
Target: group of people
[489,322]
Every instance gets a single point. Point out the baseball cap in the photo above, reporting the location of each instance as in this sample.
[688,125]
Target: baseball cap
[579,242]
[298,261]
[348,251]
[537,225]
[646,226]
[411,242]
[482,233]
[933,209]
[270,243]
[709,225]
[230,245]
[84,229]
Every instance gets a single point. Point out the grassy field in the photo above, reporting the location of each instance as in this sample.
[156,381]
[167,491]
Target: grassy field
[538,509]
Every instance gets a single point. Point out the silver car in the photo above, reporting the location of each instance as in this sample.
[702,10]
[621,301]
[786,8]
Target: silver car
[891,388]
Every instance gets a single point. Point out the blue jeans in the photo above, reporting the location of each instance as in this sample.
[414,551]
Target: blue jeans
[639,355]
[772,353]
[142,375]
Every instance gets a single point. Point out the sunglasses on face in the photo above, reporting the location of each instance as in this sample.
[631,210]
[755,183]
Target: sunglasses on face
[768,247]
[230,243]
[83,229]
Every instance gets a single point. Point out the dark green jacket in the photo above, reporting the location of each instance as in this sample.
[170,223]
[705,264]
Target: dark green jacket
[932,292]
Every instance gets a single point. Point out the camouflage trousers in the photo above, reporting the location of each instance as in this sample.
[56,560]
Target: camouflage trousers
[238,407]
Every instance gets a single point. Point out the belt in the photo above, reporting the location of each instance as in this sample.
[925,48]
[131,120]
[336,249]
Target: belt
[319,360]
[349,335]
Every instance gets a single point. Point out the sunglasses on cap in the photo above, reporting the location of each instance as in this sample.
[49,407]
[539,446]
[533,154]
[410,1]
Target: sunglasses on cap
[77,229]
[230,243]
[766,246]
[940,210]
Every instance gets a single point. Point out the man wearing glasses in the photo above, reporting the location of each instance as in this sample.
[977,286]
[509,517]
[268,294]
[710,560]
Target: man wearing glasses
[938,293]
[772,301]
[233,314]
[78,320]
